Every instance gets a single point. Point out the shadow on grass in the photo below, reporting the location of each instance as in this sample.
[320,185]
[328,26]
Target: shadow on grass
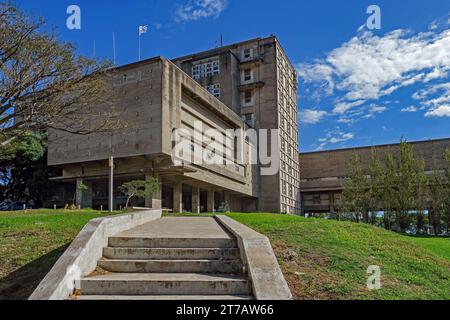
[20,284]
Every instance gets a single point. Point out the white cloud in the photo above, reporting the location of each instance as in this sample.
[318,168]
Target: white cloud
[343,107]
[441,111]
[369,66]
[311,116]
[334,137]
[195,10]
[410,109]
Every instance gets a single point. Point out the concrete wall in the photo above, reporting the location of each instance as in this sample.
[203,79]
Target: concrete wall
[80,259]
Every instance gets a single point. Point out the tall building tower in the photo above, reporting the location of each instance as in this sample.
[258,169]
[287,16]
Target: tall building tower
[258,82]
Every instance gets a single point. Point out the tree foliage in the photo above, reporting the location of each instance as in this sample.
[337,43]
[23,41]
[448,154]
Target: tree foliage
[139,188]
[400,188]
[23,169]
[45,85]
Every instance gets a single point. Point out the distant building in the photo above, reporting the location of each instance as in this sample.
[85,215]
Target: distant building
[323,172]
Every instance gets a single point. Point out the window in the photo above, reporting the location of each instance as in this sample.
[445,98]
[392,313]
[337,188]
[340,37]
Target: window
[214,89]
[249,118]
[247,76]
[205,69]
[247,54]
[248,97]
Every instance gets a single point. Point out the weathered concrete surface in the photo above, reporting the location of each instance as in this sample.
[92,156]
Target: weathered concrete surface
[165,284]
[262,266]
[171,253]
[178,228]
[81,257]
[172,266]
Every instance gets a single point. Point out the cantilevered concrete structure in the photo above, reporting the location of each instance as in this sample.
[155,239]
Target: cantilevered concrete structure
[154,97]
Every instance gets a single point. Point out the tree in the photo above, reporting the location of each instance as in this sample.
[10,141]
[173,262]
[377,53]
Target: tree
[389,201]
[44,85]
[447,189]
[376,185]
[139,188]
[438,196]
[421,194]
[23,169]
[406,182]
[355,191]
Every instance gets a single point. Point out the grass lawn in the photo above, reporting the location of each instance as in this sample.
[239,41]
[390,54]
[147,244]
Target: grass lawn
[31,242]
[333,256]
[330,262]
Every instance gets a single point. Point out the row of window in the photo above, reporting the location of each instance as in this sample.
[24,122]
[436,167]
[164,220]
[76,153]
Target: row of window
[214,89]
[204,70]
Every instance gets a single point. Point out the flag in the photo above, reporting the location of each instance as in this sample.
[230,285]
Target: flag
[143,29]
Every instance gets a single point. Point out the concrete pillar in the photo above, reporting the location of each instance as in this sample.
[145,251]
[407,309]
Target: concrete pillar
[86,201]
[195,199]
[210,201]
[177,197]
[227,200]
[78,192]
[154,201]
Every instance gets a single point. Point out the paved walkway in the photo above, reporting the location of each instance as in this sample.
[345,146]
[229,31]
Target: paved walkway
[179,227]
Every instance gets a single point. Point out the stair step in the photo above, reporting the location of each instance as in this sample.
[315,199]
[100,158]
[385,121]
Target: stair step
[164,284]
[171,253]
[162,297]
[175,266]
[142,242]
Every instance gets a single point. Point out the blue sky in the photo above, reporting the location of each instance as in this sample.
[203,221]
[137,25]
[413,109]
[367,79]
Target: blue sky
[356,86]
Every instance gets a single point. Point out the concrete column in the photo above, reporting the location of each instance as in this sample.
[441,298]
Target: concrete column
[154,201]
[177,197]
[195,199]
[86,201]
[227,200]
[78,192]
[210,202]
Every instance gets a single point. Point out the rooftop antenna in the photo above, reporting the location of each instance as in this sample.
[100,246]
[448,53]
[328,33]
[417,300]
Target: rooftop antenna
[221,40]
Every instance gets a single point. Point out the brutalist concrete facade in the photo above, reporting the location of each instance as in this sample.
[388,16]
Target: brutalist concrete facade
[323,172]
[155,97]
[257,81]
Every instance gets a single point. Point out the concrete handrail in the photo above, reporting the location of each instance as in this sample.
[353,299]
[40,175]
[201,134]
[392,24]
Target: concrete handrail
[80,259]
[268,282]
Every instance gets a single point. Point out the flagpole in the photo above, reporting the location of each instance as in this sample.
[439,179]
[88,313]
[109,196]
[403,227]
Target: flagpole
[139,46]
[114,47]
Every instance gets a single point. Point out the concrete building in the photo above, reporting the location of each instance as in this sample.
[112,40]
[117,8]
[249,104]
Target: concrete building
[258,82]
[251,84]
[323,172]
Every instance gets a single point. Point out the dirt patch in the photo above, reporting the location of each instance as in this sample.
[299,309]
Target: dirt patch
[306,275]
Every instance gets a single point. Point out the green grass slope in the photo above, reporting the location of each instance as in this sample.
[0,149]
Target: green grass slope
[31,242]
[333,256]
[330,259]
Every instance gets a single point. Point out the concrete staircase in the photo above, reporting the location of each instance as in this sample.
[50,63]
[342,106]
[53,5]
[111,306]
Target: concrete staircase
[142,268]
